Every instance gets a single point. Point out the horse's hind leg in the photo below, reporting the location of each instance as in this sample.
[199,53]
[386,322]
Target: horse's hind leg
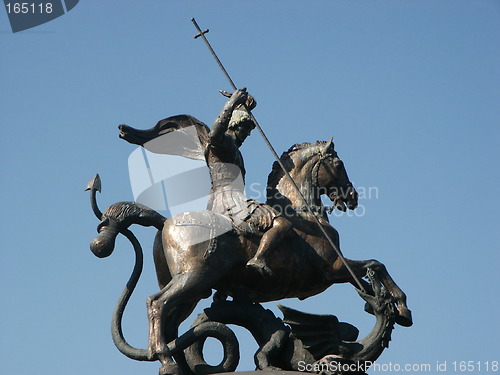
[168,308]
[360,267]
[157,348]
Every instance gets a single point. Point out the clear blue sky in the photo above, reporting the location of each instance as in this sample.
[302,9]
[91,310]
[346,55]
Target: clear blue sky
[409,89]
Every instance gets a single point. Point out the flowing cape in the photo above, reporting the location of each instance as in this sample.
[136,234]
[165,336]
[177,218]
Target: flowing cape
[170,172]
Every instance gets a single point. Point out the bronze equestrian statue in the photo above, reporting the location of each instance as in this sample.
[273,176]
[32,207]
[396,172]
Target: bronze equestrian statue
[241,248]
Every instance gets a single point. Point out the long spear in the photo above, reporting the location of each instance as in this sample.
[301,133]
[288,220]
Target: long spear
[270,146]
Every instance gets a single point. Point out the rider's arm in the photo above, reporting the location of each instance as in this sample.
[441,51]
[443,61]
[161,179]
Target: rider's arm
[221,123]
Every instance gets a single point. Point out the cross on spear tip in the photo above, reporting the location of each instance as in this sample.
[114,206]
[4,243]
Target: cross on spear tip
[269,145]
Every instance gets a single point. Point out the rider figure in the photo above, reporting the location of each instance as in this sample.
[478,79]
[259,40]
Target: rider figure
[227,173]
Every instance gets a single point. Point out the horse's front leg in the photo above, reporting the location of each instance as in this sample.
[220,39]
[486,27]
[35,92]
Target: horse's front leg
[359,267]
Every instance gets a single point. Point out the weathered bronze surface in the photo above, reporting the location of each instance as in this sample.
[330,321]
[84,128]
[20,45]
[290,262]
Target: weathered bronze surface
[264,252]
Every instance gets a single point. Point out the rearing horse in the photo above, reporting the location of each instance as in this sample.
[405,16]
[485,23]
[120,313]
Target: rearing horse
[303,265]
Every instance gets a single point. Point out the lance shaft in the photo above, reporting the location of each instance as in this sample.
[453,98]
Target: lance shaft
[270,146]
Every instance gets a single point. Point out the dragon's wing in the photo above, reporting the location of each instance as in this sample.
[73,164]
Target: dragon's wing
[320,334]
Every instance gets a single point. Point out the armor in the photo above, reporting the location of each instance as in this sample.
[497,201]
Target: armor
[227,196]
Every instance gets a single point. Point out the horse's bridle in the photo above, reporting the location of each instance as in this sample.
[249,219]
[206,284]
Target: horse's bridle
[314,182]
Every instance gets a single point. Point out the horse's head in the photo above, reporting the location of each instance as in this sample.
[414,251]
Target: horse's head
[317,170]
[332,180]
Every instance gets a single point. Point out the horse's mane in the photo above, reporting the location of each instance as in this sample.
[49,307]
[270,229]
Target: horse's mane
[277,173]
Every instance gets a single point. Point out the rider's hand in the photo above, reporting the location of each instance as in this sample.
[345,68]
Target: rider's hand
[237,96]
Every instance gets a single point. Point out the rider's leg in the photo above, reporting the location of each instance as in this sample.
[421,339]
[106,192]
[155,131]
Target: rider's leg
[278,231]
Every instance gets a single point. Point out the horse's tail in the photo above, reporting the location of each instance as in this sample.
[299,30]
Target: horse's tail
[116,322]
[117,218]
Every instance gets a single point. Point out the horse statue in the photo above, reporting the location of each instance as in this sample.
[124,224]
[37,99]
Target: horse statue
[196,252]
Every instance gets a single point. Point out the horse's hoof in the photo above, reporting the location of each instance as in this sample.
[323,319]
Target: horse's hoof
[404,317]
[169,369]
[260,267]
